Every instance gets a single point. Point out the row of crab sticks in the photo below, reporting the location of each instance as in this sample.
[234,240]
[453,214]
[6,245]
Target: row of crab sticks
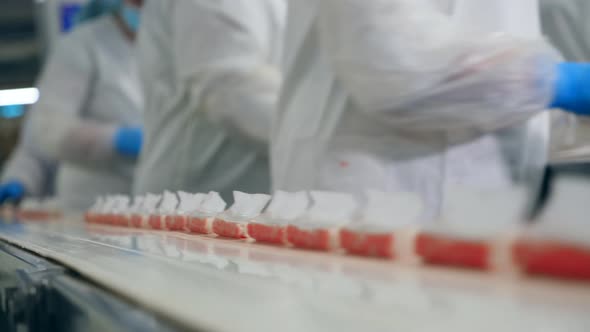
[477,229]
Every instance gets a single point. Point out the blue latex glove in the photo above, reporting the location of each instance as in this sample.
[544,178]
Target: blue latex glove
[572,90]
[128,141]
[12,191]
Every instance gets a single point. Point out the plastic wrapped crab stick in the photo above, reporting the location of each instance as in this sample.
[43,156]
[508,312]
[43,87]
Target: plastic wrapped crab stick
[34,209]
[106,214]
[188,203]
[146,206]
[149,209]
[318,228]
[201,220]
[385,216]
[93,214]
[167,208]
[233,222]
[472,227]
[558,244]
[120,211]
[271,226]
[135,212]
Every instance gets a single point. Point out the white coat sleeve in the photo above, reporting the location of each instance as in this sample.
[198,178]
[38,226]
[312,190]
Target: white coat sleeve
[24,166]
[407,62]
[222,52]
[59,129]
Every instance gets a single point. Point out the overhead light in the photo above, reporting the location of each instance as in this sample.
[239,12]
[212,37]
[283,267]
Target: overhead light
[24,96]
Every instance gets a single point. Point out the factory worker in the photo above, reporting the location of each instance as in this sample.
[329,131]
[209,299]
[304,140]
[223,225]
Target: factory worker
[26,174]
[211,78]
[89,113]
[411,95]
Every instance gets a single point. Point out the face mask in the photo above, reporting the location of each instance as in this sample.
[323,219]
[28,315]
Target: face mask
[131,16]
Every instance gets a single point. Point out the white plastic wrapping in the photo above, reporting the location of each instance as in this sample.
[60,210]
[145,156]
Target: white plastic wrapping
[150,204]
[213,204]
[419,69]
[168,204]
[189,203]
[389,211]
[31,204]
[53,204]
[121,205]
[109,204]
[565,218]
[137,205]
[329,209]
[202,218]
[246,206]
[285,207]
[97,207]
[481,213]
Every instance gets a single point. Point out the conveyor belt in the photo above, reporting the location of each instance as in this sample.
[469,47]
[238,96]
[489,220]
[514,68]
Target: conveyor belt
[222,285]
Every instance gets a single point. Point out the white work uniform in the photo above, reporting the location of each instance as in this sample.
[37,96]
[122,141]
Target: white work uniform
[401,95]
[89,88]
[211,79]
[35,173]
[566,25]
[25,165]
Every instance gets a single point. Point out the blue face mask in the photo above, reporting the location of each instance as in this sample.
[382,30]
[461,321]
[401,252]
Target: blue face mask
[131,16]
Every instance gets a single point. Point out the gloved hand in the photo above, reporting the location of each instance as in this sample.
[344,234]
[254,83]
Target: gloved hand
[572,90]
[128,141]
[11,191]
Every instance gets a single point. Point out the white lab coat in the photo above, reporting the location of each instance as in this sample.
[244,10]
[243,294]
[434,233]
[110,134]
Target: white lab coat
[401,95]
[566,25]
[89,88]
[25,165]
[211,80]
[36,174]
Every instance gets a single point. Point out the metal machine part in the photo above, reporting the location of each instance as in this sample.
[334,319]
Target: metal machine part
[38,295]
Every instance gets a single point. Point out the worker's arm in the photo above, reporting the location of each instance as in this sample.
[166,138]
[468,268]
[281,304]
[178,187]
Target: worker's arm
[60,130]
[27,170]
[409,63]
[223,51]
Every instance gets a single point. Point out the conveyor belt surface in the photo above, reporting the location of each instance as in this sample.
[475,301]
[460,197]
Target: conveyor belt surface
[222,285]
